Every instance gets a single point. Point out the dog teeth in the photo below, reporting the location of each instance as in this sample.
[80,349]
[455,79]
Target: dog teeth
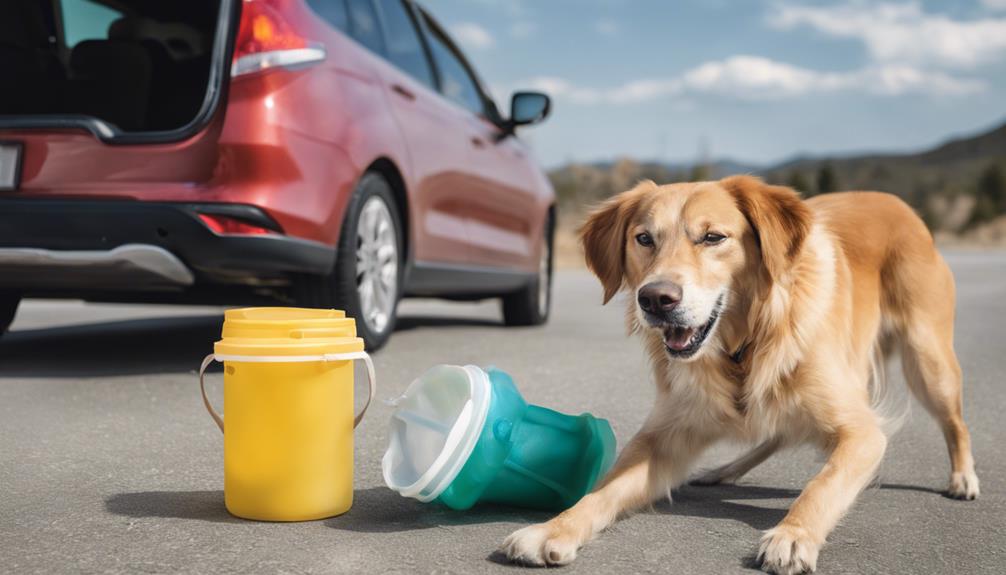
[679,338]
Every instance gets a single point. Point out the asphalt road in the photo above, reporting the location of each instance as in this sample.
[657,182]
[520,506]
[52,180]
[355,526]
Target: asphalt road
[108,462]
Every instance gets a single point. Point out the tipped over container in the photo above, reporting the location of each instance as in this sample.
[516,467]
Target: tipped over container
[463,435]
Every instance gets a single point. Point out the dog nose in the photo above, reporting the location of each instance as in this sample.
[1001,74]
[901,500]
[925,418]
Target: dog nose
[659,297]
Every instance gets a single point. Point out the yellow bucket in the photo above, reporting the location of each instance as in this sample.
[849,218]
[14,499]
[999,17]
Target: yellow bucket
[288,398]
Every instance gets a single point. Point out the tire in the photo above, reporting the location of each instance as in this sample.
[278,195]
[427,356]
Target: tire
[8,309]
[532,304]
[370,296]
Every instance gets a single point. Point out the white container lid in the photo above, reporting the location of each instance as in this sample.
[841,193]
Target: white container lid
[434,428]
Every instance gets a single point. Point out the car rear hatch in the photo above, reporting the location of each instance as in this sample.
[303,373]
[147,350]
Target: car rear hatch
[128,71]
[116,164]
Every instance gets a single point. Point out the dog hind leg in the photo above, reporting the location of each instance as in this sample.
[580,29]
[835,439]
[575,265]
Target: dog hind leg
[934,376]
[739,467]
[922,302]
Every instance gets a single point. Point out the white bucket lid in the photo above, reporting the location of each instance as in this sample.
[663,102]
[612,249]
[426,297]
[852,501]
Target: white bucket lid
[434,428]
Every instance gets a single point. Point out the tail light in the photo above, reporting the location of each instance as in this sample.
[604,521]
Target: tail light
[223,225]
[265,40]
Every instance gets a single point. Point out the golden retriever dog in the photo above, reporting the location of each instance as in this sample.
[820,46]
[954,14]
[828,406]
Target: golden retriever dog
[767,319]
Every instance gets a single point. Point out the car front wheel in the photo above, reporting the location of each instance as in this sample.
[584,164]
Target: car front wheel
[367,279]
[533,303]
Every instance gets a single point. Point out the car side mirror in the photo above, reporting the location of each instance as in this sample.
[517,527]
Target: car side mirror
[526,108]
[529,108]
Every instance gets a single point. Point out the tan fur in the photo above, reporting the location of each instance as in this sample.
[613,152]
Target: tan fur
[814,290]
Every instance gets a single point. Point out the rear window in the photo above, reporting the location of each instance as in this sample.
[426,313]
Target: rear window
[404,48]
[333,11]
[85,20]
[137,65]
[363,25]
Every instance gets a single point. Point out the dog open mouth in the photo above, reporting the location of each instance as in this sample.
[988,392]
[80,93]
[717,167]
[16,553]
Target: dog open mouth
[684,341]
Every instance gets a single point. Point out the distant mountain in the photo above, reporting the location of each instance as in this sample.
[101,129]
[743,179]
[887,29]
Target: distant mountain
[578,184]
[944,184]
[949,168]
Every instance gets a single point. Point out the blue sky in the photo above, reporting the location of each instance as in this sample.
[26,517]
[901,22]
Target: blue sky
[756,81]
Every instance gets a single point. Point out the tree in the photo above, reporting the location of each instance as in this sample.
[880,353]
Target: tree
[827,180]
[990,194]
[700,172]
[798,182]
[992,185]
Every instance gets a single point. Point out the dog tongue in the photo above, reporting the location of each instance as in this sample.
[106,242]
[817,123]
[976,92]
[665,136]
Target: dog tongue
[679,338]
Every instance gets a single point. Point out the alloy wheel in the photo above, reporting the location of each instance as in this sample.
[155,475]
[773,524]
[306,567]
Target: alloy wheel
[376,264]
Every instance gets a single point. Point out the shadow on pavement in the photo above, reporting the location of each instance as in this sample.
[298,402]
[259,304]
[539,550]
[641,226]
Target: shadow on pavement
[410,322]
[919,488]
[375,510]
[197,505]
[127,347]
[139,346]
[714,502]
[381,510]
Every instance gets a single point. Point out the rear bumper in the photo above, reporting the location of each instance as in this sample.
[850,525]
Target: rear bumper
[129,245]
[134,265]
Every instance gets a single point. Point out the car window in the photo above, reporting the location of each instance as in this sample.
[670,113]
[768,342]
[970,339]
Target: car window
[363,25]
[85,20]
[403,47]
[456,82]
[333,11]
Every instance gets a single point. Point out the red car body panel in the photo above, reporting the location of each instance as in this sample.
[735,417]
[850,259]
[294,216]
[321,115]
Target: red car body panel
[294,142]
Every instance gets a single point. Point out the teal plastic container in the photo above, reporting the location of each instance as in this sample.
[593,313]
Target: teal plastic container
[463,435]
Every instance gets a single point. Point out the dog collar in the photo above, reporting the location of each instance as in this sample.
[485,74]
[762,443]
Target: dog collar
[738,356]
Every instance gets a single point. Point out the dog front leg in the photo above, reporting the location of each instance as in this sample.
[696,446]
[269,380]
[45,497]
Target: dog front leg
[647,467]
[792,546]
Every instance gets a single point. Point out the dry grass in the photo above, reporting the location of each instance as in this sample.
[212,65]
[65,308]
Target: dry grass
[990,235]
[568,254]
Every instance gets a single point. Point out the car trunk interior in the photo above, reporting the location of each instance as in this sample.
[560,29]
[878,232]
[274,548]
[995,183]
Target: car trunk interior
[139,65]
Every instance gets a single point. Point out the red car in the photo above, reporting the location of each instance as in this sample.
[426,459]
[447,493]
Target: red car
[321,153]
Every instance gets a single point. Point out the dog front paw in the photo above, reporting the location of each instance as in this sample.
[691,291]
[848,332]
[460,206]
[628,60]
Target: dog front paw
[788,550]
[540,545]
[963,486]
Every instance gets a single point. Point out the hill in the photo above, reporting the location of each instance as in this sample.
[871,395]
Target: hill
[943,183]
[955,185]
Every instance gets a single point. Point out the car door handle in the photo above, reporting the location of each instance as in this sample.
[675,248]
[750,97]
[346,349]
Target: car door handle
[403,92]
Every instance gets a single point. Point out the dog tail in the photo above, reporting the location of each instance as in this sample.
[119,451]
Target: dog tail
[891,408]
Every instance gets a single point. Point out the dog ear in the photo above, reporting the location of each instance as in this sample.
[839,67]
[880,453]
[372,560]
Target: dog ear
[778,216]
[603,237]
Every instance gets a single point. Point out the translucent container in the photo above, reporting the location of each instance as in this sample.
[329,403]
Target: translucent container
[463,435]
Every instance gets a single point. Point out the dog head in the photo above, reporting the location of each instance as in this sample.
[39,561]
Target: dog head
[685,251]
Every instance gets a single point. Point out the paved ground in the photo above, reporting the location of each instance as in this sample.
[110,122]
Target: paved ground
[108,462]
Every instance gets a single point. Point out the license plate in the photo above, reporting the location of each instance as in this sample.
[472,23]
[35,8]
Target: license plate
[10,165]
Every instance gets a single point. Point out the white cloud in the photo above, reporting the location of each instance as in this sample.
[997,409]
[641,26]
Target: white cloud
[645,89]
[756,78]
[472,36]
[561,88]
[903,32]
[607,27]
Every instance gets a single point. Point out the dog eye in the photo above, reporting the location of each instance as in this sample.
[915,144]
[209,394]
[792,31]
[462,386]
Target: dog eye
[713,238]
[644,239]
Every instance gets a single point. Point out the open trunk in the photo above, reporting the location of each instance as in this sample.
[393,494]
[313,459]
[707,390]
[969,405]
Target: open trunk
[129,70]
